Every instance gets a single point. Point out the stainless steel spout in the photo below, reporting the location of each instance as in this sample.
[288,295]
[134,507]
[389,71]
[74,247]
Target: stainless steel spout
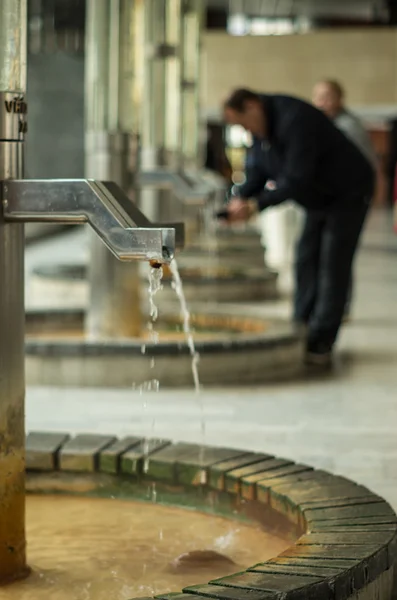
[127,233]
[187,187]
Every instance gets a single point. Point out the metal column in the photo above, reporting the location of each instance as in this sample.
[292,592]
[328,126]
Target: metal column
[111,149]
[170,92]
[161,124]
[170,80]
[12,317]
[159,81]
[191,127]
[191,131]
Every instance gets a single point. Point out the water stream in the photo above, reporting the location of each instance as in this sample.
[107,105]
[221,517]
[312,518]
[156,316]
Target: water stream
[209,239]
[155,285]
[178,287]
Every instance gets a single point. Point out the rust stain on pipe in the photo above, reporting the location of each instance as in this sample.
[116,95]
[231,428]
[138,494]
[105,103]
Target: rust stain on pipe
[12,494]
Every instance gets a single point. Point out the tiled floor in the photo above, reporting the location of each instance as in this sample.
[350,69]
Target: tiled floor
[346,423]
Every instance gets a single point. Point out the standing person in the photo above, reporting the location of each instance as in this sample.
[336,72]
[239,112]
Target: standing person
[216,159]
[329,96]
[310,161]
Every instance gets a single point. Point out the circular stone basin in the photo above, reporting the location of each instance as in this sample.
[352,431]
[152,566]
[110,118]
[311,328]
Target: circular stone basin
[251,524]
[233,348]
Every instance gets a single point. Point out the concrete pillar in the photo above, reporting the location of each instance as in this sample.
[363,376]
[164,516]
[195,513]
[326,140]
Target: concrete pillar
[12,317]
[191,127]
[111,148]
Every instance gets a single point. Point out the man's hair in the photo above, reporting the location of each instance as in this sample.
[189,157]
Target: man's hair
[237,99]
[335,86]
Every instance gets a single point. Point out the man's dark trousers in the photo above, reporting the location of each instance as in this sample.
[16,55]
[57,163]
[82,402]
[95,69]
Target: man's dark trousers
[324,260]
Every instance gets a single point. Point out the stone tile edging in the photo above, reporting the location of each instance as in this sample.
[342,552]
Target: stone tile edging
[348,546]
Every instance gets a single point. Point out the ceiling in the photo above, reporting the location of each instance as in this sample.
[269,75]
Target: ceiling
[312,9]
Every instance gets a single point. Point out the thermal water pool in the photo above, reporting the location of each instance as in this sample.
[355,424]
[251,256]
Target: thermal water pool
[102,549]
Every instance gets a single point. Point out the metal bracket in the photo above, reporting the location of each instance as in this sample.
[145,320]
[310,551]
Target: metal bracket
[188,188]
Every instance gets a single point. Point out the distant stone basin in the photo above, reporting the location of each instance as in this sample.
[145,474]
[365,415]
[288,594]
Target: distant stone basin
[233,348]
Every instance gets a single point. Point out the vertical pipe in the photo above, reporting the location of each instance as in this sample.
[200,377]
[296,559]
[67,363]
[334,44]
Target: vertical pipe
[96,64]
[115,78]
[173,130]
[128,101]
[161,77]
[12,385]
[114,310]
[161,120]
[192,19]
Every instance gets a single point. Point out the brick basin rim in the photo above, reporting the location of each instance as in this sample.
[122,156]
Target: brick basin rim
[279,334]
[78,272]
[348,538]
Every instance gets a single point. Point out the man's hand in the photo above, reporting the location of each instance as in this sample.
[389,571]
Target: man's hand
[239,210]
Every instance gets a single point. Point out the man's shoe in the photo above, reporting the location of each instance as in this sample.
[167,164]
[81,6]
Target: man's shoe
[319,355]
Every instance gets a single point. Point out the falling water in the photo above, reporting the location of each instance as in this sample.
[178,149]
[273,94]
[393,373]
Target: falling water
[209,240]
[152,492]
[223,542]
[178,287]
[209,232]
[155,285]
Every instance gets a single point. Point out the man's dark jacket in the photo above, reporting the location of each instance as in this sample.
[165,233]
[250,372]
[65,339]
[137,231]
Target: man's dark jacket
[311,161]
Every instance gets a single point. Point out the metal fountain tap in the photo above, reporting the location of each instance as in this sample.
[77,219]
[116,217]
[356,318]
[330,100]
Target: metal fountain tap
[122,227]
[189,188]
